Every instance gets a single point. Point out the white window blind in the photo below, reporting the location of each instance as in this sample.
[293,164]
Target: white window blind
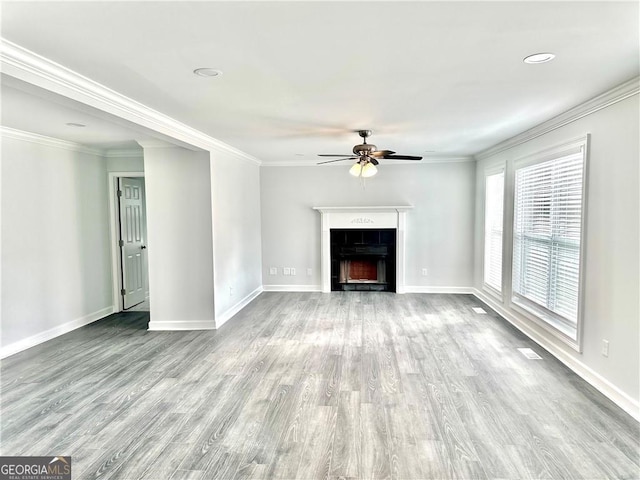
[493,206]
[546,237]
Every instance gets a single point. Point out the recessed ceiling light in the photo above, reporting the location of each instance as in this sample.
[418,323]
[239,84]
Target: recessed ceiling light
[539,58]
[79,125]
[207,72]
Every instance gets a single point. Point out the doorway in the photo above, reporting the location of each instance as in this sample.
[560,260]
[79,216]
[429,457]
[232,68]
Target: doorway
[128,241]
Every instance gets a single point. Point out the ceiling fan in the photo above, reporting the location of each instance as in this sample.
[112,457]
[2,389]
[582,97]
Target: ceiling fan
[367,156]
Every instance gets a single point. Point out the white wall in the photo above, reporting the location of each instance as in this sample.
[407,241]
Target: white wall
[612,285]
[236,227]
[55,251]
[130,163]
[440,227]
[180,249]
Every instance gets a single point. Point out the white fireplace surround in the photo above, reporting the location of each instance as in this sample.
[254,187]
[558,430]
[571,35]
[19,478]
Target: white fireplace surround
[359,218]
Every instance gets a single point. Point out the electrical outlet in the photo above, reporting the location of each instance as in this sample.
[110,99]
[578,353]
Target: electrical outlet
[231,291]
[605,348]
[293,271]
[309,272]
[424,272]
[273,271]
[286,271]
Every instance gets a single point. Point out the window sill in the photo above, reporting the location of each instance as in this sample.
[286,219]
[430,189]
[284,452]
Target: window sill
[552,326]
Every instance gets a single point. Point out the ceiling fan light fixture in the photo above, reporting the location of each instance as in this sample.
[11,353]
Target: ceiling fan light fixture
[356,169]
[367,157]
[369,170]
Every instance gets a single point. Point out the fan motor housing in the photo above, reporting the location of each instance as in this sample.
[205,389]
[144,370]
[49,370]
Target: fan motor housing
[364,148]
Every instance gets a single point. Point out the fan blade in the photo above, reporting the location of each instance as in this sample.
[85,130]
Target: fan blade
[381,153]
[401,157]
[374,161]
[337,160]
[334,155]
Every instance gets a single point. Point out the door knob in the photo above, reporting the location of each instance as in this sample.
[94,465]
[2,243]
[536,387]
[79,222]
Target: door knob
[143,247]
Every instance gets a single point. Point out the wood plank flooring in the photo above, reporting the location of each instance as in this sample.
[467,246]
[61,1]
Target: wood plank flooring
[347,385]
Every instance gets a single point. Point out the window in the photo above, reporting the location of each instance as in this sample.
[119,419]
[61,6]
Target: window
[547,230]
[493,205]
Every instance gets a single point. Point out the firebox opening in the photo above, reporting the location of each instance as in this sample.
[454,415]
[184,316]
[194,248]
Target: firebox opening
[363,259]
[362,271]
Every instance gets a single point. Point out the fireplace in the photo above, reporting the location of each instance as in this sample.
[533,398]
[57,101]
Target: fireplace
[359,220]
[363,259]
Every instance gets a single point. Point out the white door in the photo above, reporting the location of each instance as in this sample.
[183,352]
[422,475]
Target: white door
[131,241]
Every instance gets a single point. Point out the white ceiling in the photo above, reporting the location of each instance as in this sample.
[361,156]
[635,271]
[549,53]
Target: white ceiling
[299,77]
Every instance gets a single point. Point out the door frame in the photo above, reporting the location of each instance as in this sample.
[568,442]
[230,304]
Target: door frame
[114,232]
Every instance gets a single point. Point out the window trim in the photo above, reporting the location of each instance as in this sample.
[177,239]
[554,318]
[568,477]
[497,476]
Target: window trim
[489,171]
[539,315]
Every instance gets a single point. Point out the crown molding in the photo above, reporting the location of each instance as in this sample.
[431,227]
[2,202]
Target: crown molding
[15,134]
[424,161]
[145,144]
[615,95]
[7,132]
[37,70]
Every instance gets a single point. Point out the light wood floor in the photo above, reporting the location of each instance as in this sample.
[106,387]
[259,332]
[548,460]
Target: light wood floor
[308,385]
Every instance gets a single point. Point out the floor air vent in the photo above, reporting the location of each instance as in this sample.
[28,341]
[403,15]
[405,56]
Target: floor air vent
[478,310]
[530,354]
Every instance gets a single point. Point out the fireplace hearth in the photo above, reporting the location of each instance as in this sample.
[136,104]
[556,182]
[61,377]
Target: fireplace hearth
[363,259]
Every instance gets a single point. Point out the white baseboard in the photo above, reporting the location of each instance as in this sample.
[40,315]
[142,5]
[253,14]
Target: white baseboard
[54,332]
[163,326]
[617,396]
[229,313]
[422,289]
[292,288]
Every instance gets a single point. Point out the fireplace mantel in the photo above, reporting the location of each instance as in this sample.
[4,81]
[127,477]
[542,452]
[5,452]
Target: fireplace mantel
[384,216]
[396,208]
